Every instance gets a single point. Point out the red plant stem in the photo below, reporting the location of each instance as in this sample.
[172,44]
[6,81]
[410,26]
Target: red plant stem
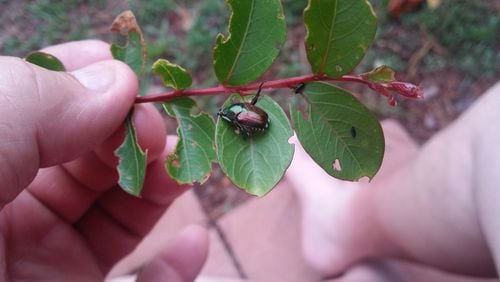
[247,89]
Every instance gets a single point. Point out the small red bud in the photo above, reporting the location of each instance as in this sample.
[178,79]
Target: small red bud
[392,101]
[381,89]
[406,89]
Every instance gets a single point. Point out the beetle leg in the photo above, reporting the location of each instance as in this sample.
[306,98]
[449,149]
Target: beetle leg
[241,128]
[299,88]
[256,97]
[245,130]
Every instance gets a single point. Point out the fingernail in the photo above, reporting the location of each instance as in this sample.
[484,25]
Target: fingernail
[97,77]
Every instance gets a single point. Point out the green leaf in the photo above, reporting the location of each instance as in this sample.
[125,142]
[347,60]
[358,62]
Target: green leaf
[255,163]
[193,156]
[382,74]
[338,34]
[45,60]
[132,161]
[133,53]
[257,32]
[338,132]
[172,75]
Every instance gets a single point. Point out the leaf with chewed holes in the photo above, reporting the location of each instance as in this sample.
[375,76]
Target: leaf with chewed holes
[338,34]
[132,161]
[256,33]
[192,158]
[255,163]
[338,132]
[134,52]
[172,75]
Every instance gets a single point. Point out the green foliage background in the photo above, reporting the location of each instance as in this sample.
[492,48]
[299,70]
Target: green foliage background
[469,29]
[184,32]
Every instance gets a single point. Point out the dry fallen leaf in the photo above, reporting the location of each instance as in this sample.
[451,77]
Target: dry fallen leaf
[124,23]
[398,7]
[433,4]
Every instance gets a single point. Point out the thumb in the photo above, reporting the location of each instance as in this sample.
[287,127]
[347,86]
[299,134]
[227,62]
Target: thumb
[182,261]
[48,118]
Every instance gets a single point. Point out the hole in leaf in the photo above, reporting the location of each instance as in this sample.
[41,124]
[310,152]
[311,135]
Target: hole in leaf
[391,100]
[336,165]
[205,178]
[364,179]
[281,15]
[338,68]
[195,111]
[176,163]
[194,144]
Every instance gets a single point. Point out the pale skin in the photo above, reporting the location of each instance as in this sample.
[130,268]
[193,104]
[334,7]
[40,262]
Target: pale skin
[62,215]
[436,205]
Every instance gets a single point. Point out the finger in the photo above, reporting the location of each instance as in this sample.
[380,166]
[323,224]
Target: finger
[52,117]
[69,190]
[302,164]
[151,132]
[97,170]
[79,54]
[181,261]
[122,220]
[158,193]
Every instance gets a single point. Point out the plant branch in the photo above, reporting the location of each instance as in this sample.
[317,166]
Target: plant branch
[403,88]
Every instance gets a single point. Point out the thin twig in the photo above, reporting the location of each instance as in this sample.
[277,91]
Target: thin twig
[246,89]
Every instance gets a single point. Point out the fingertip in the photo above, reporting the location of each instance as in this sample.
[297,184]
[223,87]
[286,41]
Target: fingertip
[171,142]
[67,117]
[75,112]
[182,260]
[159,187]
[188,252]
[198,239]
[151,129]
[68,53]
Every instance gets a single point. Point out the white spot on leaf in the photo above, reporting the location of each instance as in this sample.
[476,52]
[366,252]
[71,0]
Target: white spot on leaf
[337,166]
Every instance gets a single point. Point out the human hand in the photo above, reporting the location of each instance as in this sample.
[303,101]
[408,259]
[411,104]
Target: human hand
[62,215]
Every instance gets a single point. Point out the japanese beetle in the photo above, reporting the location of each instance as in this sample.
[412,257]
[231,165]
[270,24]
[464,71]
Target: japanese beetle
[246,117]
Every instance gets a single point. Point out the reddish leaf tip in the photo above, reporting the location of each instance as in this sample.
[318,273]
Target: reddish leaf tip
[407,89]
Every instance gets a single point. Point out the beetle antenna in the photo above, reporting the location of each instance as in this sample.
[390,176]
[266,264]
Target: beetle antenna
[256,97]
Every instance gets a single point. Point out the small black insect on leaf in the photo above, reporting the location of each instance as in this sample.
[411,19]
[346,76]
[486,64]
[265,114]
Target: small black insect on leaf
[353,132]
[299,88]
